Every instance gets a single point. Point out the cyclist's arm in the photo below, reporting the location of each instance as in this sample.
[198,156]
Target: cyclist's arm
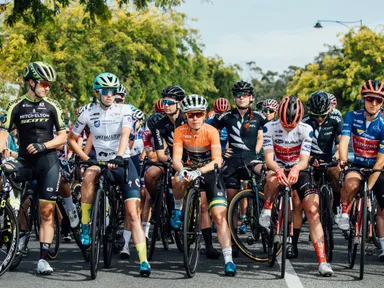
[345,136]
[177,156]
[57,141]
[3,139]
[77,129]
[378,165]
[269,159]
[88,145]
[260,140]
[303,162]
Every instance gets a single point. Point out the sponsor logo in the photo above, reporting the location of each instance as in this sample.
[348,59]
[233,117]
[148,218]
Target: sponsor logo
[360,131]
[220,194]
[77,125]
[365,148]
[25,121]
[49,189]
[265,129]
[307,146]
[267,141]
[327,133]
[27,105]
[187,136]
[279,141]
[41,104]
[311,134]
[34,115]
[360,121]
[287,154]
[108,137]
[137,182]
[96,123]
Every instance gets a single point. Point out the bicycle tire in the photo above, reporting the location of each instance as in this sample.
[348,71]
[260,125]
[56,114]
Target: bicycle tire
[108,240]
[54,251]
[352,247]
[364,232]
[156,219]
[96,228]
[273,247]
[373,219]
[285,234]
[326,208]
[10,244]
[191,232]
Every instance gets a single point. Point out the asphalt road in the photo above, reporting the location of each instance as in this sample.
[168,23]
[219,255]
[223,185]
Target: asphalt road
[70,270]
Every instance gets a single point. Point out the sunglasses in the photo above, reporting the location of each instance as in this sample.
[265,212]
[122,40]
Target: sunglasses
[44,84]
[107,91]
[119,100]
[243,94]
[319,115]
[268,111]
[168,102]
[192,115]
[370,99]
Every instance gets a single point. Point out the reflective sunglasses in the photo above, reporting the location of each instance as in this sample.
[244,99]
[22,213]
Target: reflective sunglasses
[119,100]
[266,111]
[192,115]
[44,84]
[168,102]
[370,99]
[107,91]
[319,115]
[243,94]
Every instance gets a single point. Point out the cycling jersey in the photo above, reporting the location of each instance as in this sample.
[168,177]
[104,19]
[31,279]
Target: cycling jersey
[223,135]
[105,127]
[148,141]
[241,141]
[367,142]
[288,146]
[324,136]
[200,148]
[35,120]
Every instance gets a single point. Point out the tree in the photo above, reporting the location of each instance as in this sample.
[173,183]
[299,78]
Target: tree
[342,71]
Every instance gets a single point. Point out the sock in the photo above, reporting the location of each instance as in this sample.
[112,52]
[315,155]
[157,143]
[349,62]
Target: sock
[127,237]
[268,204]
[68,203]
[44,250]
[345,207]
[227,253]
[381,243]
[295,238]
[85,213]
[207,234]
[142,252]
[146,228]
[320,251]
[179,204]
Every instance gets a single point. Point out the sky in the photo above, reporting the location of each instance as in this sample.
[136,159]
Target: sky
[275,33]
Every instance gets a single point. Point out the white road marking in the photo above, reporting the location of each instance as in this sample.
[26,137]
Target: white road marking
[291,278]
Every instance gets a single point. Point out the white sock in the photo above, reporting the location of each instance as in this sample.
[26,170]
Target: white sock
[146,226]
[227,253]
[381,243]
[127,237]
[179,204]
[68,203]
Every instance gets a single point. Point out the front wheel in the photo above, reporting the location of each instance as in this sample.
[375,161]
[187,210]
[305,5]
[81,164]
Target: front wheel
[96,228]
[363,233]
[285,233]
[352,247]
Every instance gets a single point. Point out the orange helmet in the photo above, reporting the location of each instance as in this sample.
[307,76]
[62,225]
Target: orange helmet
[221,105]
[372,87]
[290,111]
[159,106]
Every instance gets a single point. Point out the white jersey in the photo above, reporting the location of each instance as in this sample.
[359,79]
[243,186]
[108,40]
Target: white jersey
[288,146]
[105,127]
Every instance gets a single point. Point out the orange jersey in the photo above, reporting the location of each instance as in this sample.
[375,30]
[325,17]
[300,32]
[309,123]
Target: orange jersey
[201,148]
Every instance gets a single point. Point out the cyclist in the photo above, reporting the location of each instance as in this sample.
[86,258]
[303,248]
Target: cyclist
[120,94]
[110,126]
[270,107]
[35,116]
[159,106]
[366,127]
[201,143]
[334,111]
[287,143]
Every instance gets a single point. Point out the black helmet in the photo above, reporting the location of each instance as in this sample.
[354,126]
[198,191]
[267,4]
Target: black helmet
[153,119]
[319,102]
[242,86]
[175,92]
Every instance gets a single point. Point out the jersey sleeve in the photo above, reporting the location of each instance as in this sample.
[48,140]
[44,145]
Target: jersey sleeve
[214,139]
[347,125]
[80,123]
[306,144]
[178,143]
[262,119]
[127,117]
[267,136]
[220,121]
[157,138]
[10,116]
[339,128]
[58,116]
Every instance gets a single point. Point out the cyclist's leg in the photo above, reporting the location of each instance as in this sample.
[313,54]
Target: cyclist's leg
[352,184]
[379,193]
[151,177]
[271,189]
[178,192]
[69,206]
[146,214]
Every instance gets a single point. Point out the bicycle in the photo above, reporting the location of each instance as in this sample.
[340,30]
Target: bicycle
[359,218]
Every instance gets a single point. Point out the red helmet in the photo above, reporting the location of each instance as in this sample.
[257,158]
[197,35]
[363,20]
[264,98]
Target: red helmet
[372,87]
[159,106]
[221,105]
[290,112]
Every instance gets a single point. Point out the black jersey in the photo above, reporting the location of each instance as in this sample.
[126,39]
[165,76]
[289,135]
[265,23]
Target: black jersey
[34,120]
[324,136]
[242,141]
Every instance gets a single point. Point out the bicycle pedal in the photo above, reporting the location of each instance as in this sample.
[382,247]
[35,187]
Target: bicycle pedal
[356,240]
[369,250]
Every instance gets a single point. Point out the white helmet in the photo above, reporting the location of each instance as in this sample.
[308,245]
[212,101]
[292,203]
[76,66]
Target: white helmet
[194,103]
[138,115]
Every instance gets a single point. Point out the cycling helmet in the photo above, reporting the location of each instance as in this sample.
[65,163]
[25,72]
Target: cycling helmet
[319,102]
[194,103]
[242,86]
[221,105]
[270,104]
[153,119]
[39,71]
[106,80]
[138,115]
[211,114]
[372,87]
[159,106]
[175,92]
[259,105]
[133,108]
[121,90]
[333,99]
[290,111]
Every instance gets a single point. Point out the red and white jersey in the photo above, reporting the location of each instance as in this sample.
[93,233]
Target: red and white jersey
[148,141]
[288,146]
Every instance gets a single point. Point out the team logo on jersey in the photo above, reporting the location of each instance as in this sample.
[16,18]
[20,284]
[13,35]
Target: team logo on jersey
[41,104]
[311,134]
[360,131]
[279,141]
[265,129]
[96,123]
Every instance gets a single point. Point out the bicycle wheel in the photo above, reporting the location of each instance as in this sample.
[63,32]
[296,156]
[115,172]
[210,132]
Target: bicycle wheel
[352,247]
[363,236]
[178,236]
[110,235]
[326,210]
[373,217]
[191,233]
[274,246]
[250,243]
[54,250]
[97,223]
[155,221]
[285,232]
[9,236]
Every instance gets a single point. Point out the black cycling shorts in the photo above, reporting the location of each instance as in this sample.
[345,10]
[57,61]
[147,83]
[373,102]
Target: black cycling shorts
[44,168]
[304,185]
[233,173]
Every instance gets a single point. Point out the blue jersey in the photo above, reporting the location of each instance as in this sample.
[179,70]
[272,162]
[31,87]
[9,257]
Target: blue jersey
[223,135]
[366,142]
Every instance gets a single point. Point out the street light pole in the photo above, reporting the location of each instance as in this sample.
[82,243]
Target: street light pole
[344,23]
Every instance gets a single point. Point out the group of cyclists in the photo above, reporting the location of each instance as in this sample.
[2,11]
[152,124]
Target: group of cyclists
[183,133]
